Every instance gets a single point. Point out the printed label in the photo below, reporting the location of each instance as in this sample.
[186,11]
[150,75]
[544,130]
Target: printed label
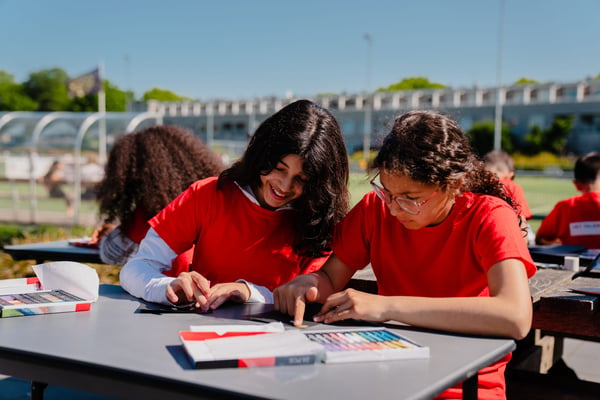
[585,228]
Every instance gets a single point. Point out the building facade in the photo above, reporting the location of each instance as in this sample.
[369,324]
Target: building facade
[523,106]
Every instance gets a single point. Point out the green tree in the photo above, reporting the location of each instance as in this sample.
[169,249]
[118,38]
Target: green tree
[525,81]
[419,82]
[481,136]
[555,137]
[116,100]
[49,89]
[12,95]
[532,142]
[552,140]
[161,95]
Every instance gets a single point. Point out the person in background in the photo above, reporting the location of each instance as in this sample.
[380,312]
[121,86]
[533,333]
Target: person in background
[502,164]
[266,219]
[145,171]
[92,173]
[53,181]
[576,220]
[444,242]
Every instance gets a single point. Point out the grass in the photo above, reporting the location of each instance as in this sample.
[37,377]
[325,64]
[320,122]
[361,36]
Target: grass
[541,192]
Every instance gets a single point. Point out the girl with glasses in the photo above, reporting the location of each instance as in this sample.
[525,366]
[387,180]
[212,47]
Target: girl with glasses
[264,220]
[443,239]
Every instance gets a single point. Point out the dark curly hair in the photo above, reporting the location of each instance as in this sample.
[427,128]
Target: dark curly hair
[149,168]
[310,131]
[430,148]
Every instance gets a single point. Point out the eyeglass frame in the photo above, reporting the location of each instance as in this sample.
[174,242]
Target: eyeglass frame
[381,192]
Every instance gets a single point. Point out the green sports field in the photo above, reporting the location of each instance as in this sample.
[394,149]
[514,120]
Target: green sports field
[542,193]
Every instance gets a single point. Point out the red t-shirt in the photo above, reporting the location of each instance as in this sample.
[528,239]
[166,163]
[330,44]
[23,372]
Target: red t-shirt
[575,221]
[516,192]
[448,260]
[234,238]
[137,232]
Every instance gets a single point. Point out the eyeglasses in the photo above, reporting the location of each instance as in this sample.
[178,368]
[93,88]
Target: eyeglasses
[410,206]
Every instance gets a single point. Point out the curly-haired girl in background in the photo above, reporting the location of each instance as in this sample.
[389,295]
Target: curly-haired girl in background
[444,242]
[145,171]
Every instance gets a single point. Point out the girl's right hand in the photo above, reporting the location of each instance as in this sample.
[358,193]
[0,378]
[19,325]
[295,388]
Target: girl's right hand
[291,298]
[101,231]
[189,287]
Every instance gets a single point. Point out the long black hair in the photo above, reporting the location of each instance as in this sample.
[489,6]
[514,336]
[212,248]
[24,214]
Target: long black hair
[310,131]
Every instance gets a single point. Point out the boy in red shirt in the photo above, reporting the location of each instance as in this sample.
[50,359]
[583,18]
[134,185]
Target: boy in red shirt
[576,220]
[502,164]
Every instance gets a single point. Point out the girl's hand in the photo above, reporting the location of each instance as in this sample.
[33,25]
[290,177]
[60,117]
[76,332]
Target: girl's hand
[353,304]
[101,231]
[221,292]
[291,298]
[189,287]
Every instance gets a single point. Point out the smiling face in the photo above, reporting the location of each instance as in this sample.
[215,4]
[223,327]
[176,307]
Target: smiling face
[282,184]
[431,212]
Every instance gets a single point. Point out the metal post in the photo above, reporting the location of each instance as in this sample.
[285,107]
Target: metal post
[498,117]
[368,103]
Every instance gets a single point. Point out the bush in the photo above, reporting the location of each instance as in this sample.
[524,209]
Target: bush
[542,161]
[8,233]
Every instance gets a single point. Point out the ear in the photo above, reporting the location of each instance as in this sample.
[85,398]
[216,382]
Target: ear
[454,188]
[581,186]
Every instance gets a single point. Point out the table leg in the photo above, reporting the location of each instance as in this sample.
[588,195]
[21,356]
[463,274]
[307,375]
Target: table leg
[37,390]
[469,388]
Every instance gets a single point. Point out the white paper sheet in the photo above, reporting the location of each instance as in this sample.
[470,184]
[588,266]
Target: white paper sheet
[73,277]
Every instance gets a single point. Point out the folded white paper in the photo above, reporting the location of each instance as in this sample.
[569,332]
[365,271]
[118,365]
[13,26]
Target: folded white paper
[73,277]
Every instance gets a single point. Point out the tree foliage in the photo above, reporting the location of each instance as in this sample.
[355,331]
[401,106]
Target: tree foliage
[116,100]
[49,89]
[161,95]
[481,136]
[525,81]
[46,90]
[552,140]
[419,82]
[12,95]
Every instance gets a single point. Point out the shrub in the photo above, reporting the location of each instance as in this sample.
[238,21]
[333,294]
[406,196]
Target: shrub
[8,233]
[542,161]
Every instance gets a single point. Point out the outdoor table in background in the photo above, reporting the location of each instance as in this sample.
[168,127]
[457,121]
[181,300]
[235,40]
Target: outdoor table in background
[60,250]
[558,313]
[555,254]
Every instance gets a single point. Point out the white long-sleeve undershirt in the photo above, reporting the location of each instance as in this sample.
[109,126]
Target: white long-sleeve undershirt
[142,276]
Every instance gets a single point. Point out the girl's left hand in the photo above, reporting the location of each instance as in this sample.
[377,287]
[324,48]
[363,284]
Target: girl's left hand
[221,292]
[353,304]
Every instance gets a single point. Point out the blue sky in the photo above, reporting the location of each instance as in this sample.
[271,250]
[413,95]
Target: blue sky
[230,49]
